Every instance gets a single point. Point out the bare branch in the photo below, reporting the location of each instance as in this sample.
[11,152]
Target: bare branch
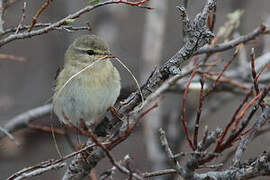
[184,123]
[67,28]
[164,143]
[36,170]
[265,116]
[63,21]
[197,38]
[159,173]
[22,18]
[131,110]
[22,120]
[41,9]
[11,57]
[258,167]
[233,43]
[9,135]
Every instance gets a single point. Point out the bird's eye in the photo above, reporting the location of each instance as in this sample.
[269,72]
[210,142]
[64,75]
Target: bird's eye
[90,52]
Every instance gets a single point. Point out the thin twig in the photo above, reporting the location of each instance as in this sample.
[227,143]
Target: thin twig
[12,57]
[41,9]
[63,21]
[244,124]
[236,52]
[36,170]
[183,107]
[45,129]
[232,120]
[10,136]
[245,108]
[49,163]
[22,18]
[199,111]
[114,163]
[67,28]
[159,173]
[22,120]
[253,71]
[164,143]
[233,43]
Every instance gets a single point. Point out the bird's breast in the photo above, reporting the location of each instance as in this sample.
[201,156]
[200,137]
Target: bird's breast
[89,95]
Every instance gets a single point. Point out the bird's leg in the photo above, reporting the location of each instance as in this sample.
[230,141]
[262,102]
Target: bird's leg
[115,113]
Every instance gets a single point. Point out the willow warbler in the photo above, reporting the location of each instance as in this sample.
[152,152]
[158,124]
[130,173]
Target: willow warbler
[88,83]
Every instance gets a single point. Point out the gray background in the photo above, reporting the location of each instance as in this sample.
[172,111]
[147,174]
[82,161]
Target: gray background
[25,85]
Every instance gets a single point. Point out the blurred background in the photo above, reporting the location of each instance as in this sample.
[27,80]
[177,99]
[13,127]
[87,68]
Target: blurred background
[28,84]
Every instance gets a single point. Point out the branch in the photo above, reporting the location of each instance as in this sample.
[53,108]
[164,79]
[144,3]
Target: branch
[21,121]
[156,79]
[69,174]
[12,57]
[233,43]
[171,156]
[63,21]
[184,122]
[50,164]
[197,36]
[153,36]
[159,173]
[67,28]
[42,8]
[258,167]
[198,116]
[265,116]
[36,170]
[248,170]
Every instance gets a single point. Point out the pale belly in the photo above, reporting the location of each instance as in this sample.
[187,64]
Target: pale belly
[88,104]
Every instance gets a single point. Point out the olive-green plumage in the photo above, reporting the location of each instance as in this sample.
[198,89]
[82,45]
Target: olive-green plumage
[88,95]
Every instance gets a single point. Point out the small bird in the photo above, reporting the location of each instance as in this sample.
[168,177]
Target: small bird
[88,84]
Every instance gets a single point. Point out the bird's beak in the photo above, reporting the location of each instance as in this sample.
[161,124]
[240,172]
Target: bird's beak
[109,55]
